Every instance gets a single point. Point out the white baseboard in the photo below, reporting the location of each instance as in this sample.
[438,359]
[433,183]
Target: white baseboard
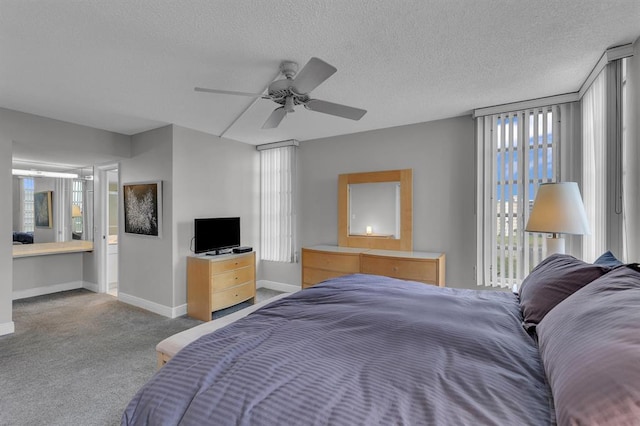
[91,286]
[165,311]
[273,285]
[7,328]
[39,291]
[179,311]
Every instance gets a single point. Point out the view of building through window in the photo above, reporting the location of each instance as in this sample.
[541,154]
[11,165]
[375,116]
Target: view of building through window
[27,205]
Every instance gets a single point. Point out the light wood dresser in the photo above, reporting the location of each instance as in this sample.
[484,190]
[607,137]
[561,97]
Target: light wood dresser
[320,263]
[217,282]
[325,261]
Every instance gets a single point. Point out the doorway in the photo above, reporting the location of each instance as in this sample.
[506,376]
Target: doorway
[106,238]
[112,232]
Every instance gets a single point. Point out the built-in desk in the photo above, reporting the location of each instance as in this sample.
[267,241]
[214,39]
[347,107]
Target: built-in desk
[44,268]
[42,249]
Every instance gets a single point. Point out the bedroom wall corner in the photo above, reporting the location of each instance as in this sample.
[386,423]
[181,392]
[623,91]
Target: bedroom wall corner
[212,177]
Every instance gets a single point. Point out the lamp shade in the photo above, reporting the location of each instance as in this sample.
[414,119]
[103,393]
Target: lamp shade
[558,209]
[75,211]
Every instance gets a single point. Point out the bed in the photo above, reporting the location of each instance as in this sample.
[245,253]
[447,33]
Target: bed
[22,237]
[363,349]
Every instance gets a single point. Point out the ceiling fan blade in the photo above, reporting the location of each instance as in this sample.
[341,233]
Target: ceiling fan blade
[335,109]
[275,118]
[228,92]
[314,72]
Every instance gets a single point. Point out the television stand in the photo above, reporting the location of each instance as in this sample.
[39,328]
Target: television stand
[215,283]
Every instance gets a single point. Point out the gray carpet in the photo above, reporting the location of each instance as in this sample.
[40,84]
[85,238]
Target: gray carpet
[77,357]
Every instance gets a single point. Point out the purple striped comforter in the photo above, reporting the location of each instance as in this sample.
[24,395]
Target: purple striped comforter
[358,350]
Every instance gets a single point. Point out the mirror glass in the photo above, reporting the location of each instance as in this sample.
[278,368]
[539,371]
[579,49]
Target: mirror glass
[375,209]
[52,208]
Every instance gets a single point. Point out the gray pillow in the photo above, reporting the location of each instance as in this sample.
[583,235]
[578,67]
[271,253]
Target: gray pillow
[590,348]
[553,280]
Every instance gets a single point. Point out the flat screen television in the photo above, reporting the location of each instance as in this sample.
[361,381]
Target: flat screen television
[216,234]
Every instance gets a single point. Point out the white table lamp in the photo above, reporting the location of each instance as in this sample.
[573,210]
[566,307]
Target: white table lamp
[558,209]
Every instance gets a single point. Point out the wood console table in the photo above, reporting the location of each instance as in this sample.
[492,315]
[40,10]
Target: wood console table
[322,262]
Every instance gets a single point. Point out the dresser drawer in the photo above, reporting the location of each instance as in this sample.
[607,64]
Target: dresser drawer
[311,276]
[216,267]
[347,263]
[232,296]
[425,270]
[232,278]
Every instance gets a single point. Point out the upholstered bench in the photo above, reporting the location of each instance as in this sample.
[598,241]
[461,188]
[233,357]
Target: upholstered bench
[170,346]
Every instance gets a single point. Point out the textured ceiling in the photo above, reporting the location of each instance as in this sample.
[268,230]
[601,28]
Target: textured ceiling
[129,66]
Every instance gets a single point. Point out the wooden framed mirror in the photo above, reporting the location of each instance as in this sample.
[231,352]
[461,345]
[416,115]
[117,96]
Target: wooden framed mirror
[375,210]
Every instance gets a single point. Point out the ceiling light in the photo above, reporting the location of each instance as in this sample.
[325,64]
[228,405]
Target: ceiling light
[39,173]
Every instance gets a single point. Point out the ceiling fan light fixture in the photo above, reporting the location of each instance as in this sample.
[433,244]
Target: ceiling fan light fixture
[288,104]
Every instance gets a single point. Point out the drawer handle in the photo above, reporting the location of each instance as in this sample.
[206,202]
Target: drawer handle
[395,269]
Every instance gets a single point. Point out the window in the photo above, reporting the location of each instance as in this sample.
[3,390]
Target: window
[517,151]
[277,201]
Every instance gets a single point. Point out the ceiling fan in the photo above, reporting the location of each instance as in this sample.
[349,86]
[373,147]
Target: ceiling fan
[295,89]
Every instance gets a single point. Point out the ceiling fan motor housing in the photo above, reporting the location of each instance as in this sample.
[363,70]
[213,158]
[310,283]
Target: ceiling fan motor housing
[280,90]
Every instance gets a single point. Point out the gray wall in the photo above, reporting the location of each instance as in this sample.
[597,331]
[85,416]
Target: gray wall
[6,256]
[441,154]
[212,177]
[145,263]
[43,271]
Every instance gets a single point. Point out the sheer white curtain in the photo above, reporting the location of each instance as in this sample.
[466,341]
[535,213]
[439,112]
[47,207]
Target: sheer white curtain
[594,179]
[631,157]
[277,203]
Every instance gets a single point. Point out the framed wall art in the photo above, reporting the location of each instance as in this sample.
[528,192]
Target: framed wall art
[143,208]
[42,206]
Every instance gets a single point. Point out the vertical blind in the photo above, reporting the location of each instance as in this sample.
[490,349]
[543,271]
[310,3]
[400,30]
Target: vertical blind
[278,177]
[517,151]
[28,214]
[77,193]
